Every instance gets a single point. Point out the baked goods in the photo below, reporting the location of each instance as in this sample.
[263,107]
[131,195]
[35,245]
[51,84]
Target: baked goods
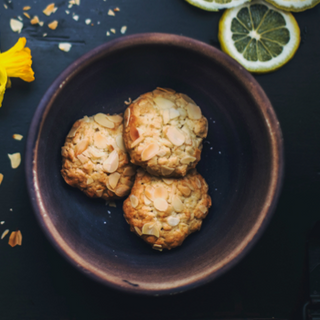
[163,211]
[94,158]
[163,132]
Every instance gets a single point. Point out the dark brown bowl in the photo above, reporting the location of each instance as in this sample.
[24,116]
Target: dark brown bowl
[242,162]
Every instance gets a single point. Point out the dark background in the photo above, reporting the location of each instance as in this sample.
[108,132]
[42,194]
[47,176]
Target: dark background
[271,281]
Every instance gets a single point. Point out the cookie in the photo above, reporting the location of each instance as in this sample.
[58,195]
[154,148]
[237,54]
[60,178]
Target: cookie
[94,158]
[163,132]
[164,211]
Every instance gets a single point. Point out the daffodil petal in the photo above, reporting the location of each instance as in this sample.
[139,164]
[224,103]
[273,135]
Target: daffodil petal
[3,83]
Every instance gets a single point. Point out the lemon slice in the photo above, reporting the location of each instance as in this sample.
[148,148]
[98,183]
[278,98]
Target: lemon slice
[294,5]
[216,5]
[259,36]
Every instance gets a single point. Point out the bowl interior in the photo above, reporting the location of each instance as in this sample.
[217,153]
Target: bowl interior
[238,163]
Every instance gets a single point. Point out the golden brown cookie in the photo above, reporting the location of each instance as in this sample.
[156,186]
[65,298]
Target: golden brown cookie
[94,158]
[163,132]
[164,211]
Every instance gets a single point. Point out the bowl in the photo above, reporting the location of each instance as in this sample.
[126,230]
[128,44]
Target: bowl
[242,162]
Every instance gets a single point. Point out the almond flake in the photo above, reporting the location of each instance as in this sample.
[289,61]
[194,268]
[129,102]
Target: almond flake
[89,180]
[167,181]
[173,221]
[81,146]
[120,143]
[15,238]
[114,179]
[87,21]
[187,159]
[150,151]
[198,183]
[1,178]
[129,171]
[17,136]
[4,233]
[27,15]
[65,46]
[112,163]
[53,25]
[102,119]
[111,13]
[161,192]
[72,132]
[177,203]
[186,191]
[113,30]
[175,136]
[15,159]
[83,159]
[151,229]
[163,103]
[194,112]
[166,116]
[160,204]
[115,118]
[26,8]
[100,141]
[16,25]
[146,201]
[136,142]
[123,29]
[149,193]
[166,171]
[75,17]
[49,9]
[122,190]
[134,133]
[128,113]
[203,208]
[138,231]
[134,201]
[174,113]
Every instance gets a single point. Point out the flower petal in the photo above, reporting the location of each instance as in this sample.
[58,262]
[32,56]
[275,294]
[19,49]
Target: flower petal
[3,83]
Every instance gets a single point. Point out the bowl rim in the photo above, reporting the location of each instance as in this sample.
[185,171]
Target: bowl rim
[275,136]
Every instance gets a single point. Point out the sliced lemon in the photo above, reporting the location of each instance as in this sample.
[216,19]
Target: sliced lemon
[259,36]
[294,5]
[216,5]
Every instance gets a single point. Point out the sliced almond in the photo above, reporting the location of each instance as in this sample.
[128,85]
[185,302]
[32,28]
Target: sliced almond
[167,181]
[129,171]
[173,113]
[177,204]
[1,178]
[112,163]
[194,112]
[150,151]
[134,133]
[203,208]
[149,192]
[94,153]
[111,13]
[160,204]
[146,201]
[162,153]
[122,190]
[187,159]
[175,136]
[128,113]
[151,229]
[134,201]
[15,238]
[89,180]
[4,233]
[53,25]
[99,193]
[120,143]
[65,46]
[166,116]
[102,119]
[186,191]
[83,159]
[15,159]
[49,9]
[138,231]
[173,221]
[114,179]
[115,118]
[72,132]
[136,142]
[81,146]
[163,103]
[123,29]
[166,171]
[100,141]
[16,25]
[161,192]
[198,183]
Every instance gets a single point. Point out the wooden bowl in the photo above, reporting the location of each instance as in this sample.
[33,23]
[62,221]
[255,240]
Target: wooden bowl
[242,161]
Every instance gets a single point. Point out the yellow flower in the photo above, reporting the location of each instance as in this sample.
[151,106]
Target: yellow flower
[16,63]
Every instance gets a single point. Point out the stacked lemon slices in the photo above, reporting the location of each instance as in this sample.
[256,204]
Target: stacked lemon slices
[262,36]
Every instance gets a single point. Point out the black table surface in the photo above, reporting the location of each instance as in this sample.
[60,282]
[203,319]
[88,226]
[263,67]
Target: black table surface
[271,281]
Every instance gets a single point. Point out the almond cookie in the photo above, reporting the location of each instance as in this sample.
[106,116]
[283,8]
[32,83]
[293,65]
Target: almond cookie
[94,158]
[163,132]
[164,211]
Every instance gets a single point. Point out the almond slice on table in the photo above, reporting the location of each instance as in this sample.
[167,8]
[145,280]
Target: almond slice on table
[15,159]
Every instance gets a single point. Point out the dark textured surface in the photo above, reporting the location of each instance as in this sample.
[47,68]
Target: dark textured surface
[37,283]
[243,169]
